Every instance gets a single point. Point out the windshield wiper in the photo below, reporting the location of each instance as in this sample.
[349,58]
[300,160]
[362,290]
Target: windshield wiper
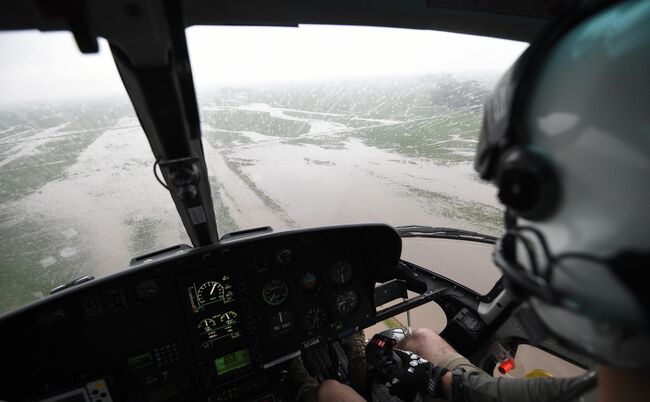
[444,233]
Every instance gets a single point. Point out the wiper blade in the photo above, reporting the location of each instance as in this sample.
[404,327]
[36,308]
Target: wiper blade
[444,233]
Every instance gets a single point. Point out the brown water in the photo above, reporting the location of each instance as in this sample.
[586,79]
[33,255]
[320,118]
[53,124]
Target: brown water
[106,207]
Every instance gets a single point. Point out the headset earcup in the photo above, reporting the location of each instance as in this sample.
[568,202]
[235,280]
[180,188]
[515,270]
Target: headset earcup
[527,184]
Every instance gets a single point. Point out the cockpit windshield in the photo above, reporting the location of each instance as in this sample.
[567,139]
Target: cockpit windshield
[301,127]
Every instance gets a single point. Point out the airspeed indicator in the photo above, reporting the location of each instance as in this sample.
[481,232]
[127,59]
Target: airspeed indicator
[209,292]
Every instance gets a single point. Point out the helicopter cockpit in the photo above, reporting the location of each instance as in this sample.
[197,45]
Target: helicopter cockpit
[222,319]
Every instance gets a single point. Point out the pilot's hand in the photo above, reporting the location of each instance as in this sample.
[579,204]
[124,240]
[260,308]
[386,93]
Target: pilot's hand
[412,374]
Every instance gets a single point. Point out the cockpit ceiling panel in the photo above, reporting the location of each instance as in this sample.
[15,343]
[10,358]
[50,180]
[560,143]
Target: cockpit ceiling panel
[509,19]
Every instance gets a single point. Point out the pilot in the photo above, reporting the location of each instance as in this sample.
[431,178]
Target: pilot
[566,139]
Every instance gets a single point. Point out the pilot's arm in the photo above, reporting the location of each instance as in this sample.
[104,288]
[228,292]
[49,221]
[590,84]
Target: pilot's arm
[481,387]
[416,375]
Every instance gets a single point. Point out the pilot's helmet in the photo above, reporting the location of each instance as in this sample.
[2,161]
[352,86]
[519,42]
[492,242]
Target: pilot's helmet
[566,138]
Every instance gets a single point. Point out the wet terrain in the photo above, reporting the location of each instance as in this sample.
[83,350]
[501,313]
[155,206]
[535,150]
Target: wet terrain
[78,196]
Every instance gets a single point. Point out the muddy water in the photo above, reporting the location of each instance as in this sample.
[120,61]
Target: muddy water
[107,207]
[320,186]
[93,207]
[464,262]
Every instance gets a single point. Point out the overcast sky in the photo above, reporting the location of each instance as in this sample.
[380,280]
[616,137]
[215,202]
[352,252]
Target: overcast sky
[45,66]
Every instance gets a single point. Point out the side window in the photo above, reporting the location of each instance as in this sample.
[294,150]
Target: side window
[468,263]
[465,262]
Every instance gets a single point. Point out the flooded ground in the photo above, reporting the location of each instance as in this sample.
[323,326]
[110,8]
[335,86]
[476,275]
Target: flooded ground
[327,176]
[78,195]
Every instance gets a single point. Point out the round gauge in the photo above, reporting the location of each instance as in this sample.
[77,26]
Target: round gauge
[206,324]
[284,256]
[281,323]
[210,292]
[341,272]
[275,292]
[315,318]
[308,281]
[227,317]
[347,302]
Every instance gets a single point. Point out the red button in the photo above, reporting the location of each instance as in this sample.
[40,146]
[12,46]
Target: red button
[506,366]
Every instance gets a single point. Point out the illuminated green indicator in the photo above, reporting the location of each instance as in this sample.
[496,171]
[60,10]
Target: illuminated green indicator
[232,361]
[140,361]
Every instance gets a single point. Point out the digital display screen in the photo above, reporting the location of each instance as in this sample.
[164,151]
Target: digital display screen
[140,361]
[217,316]
[232,361]
[217,292]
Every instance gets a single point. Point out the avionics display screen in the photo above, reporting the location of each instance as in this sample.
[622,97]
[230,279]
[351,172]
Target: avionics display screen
[213,292]
[140,361]
[216,315]
[232,361]
[226,325]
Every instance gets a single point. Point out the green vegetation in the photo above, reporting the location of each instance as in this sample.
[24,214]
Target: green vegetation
[225,221]
[396,98]
[479,215]
[47,155]
[325,142]
[35,259]
[318,162]
[431,116]
[444,138]
[346,120]
[234,120]
[29,173]
[223,138]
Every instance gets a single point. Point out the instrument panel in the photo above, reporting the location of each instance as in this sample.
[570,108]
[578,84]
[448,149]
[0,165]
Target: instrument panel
[215,315]
[302,300]
[203,324]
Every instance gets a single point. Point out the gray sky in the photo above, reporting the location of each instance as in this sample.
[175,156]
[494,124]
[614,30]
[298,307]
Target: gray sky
[46,66]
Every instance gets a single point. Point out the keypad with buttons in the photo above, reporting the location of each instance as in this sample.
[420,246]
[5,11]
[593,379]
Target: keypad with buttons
[167,354]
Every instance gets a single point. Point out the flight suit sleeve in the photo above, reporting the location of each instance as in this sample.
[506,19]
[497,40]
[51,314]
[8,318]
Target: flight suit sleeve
[480,387]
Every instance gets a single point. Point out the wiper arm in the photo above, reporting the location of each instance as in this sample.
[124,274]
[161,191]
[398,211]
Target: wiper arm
[444,233]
